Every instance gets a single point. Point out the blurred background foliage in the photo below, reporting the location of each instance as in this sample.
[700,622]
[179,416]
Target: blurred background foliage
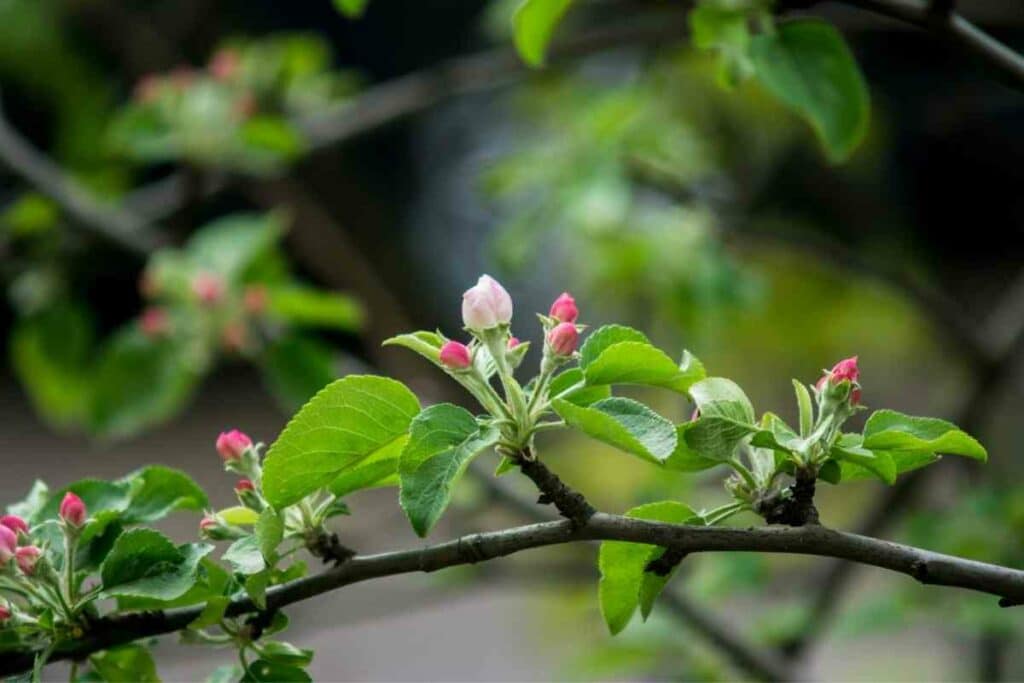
[707,216]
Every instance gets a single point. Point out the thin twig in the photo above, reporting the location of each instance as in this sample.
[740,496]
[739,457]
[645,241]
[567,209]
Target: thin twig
[925,566]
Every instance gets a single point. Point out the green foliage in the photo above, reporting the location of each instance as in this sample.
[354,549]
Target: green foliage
[534,24]
[443,440]
[351,8]
[340,427]
[125,664]
[624,423]
[807,65]
[145,564]
[625,582]
[723,27]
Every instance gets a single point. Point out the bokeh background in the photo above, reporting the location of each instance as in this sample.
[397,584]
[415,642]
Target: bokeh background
[424,154]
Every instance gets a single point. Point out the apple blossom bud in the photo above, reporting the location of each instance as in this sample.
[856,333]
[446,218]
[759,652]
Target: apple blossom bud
[8,544]
[847,370]
[154,322]
[232,444]
[486,305]
[564,309]
[563,338]
[207,523]
[14,523]
[5,613]
[513,342]
[72,510]
[254,299]
[224,64]
[27,557]
[209,289]
[456,356]
[244,485]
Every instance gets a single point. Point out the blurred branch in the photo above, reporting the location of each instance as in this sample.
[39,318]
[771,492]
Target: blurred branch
[922,565]
[118,226]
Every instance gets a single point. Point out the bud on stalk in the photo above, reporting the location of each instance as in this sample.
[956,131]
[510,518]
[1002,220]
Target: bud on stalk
[486,305]
[232,445]
[563,339]
[27,557]
[14,523]
[8,544]
[246,492]
[72,510]
[844,370]
[5,612]
[564,309]
[456,356]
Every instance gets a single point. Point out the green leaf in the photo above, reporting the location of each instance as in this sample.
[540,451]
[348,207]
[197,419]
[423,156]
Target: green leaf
[256,586]
[30,506]
[684,458]
[245,556]
[295,367]
[212,581]
[380,469]
[641,363]
[624,423]
[229,673]
[229,246]
[343,425]
[285,653]
[533,25]
[427,344]
[623,566]
[97,495]
[239,515]
[803,402]
[212,613]
[443,440]
[304,306]
[892,431]
[352,9]
[725,30]
[144,563]
[581,395]
[125,664]
[157,491]
[879,463]
[605,336]
[51,354]
[269,140]
[269,532]
[716,438]
[807,65]
[140,382]
[720,397]
[262,671]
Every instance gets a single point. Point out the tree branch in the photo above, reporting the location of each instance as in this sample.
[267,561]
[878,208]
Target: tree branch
[923,565]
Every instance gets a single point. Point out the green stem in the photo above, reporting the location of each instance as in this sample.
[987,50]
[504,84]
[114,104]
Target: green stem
[725,512]
[742,470]
[70,546]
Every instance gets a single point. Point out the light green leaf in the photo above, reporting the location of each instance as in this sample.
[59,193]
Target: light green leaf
[808,66]
[125,664]
[239,515]
[351,8]
[893,431]
[427,344]
[380,469]
[268,141]
[256,586]
[229,246]
[212,580]
[641,363]
[157,491]
[684,458]
[443,440]
[568,386]
[879,463]
[269,532]
[725,30]
[304,306]
[212,613]
[533,25]
[262,671]
[144,563]
[716,438]
[624,423]
[622,566]
[285,653]
[605,336]
[245,555]
[803,401]
[30,506]
[720,397]
[343,425]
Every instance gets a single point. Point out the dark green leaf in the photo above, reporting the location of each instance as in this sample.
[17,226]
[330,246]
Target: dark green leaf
[269,532]
[245,556]
[229,246]
[285,653]
[684,458]
[144,563]
[262,671]
[351,8]
[156,491]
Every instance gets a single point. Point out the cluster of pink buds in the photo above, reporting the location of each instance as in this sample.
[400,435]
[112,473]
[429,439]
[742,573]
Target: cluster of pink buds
[14,545]
[241,456]
[842,381]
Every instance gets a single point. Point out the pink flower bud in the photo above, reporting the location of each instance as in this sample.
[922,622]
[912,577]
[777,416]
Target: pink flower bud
[456,356]
[154,322]
[233,444]
[564,309]
[14,523]
[255,299]
[207,523]
[845,369]
[5,613]
[209,289]
[224,64]
[513,342]
[563,338]
[244,485]
[27,557]
[72,510]
[486,305]
[8,544]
